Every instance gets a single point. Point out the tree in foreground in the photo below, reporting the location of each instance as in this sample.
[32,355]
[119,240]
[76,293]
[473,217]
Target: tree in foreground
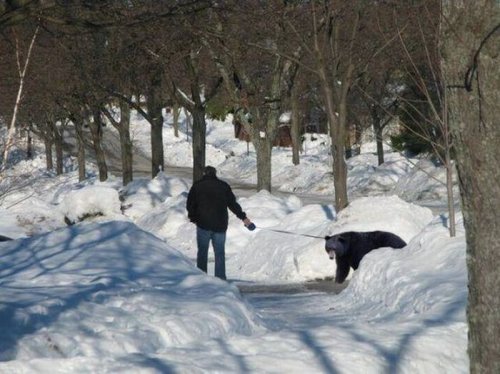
[474,91]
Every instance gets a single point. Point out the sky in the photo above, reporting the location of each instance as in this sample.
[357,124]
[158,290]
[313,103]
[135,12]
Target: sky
[119,292]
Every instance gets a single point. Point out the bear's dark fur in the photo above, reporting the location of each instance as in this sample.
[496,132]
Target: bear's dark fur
[348,248]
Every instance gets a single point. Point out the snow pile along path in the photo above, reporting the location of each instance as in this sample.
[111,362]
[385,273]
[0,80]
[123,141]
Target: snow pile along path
[113,290]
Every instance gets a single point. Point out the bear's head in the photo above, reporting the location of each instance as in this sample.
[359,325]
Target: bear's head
[336,245]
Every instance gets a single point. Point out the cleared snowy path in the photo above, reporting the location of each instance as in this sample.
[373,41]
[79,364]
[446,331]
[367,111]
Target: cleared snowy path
[289,306]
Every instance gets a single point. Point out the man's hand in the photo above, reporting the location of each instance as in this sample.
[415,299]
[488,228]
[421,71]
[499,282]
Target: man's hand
[249,224]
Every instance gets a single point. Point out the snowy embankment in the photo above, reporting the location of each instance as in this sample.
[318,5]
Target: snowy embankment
[107,289]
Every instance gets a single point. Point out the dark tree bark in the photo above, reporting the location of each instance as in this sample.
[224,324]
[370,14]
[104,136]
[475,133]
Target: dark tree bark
[335,69]
[96,127]
[52,136]
[263,126]
[176,111]
[472,71]
[196,107]
[126,148]
[126,144]
[58,143]
[155,117]
[295,126]
[80,141]
[29,145]
[292,94]
[189,91]
[377,129]
[337,133]
[263,148]
[48,153]
[199,141]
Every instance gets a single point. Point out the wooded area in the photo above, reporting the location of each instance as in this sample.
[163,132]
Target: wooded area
[432,65]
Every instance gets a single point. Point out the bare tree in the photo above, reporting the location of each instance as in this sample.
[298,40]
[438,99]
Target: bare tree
[254,74]
[292,95]
[22,67]
[330,39]
[434,126]
[413,92]
[123,127]
[379,103]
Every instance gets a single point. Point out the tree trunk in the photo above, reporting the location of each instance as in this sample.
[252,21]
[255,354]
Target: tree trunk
[337,133]
[262,130]
[29,145]
[58,143]
[199,141]
[59,157]
[125,144]
[265,137]
[377,130]
[295,127]
[154,106]
[48,153]
[263,148]
[176,111]
[474,114]
[339,172]
[82,174]
[96,132]
[449,196]
[448,163]
[338,154]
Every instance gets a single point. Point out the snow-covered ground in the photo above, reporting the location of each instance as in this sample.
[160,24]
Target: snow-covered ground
[120,293]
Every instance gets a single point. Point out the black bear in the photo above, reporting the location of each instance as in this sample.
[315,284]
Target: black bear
[348,248]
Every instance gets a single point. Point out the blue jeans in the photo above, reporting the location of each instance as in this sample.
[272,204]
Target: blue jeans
[218,239]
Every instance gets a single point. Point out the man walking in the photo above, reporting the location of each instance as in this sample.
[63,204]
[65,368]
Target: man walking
[207,204]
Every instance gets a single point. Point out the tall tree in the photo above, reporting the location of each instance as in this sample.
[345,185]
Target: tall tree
[331,35]
[471,36]
[412,85]
[191,78]
[195,103]
[254,79]
[122,125]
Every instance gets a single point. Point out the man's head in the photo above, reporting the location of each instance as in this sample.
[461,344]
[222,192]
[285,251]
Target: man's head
[210,171]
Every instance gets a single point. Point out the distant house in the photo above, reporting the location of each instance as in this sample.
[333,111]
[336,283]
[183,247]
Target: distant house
[239,131]
[283,136]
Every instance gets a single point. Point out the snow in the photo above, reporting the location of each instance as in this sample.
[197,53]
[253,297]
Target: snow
[91,200]
[119,291]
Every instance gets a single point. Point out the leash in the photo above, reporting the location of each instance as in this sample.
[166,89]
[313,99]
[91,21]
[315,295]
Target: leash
[291,233]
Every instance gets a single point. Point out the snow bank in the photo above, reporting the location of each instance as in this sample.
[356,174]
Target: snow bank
[144,196]
[9,226]
[386,213]
[91,201]
[113,290]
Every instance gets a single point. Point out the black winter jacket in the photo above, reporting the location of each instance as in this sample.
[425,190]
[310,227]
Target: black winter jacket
[208,201]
